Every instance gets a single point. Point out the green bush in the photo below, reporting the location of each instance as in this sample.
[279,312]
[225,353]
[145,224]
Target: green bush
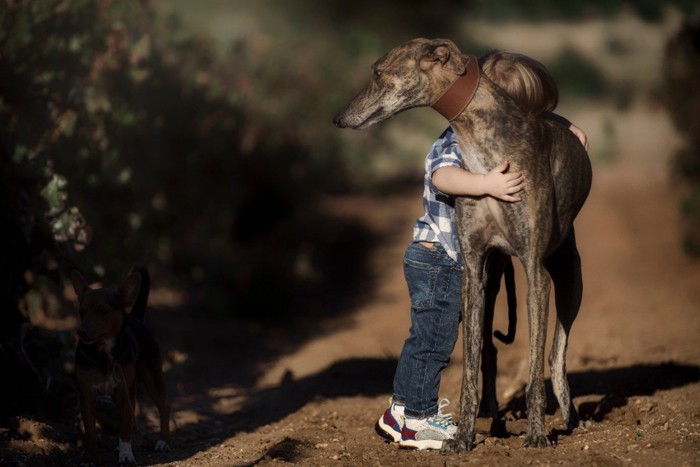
[576,76]
[682,97]
[148,147]
[125,140]
[543,10]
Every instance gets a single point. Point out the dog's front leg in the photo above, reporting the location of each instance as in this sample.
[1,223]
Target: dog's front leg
[472,326]
[537,308]
[88,409]
[124,398]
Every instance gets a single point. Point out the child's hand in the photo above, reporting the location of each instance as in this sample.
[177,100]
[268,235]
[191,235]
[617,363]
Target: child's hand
[503,186]
[580,135]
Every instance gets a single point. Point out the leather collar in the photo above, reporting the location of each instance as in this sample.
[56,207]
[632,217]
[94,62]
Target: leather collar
[457,96]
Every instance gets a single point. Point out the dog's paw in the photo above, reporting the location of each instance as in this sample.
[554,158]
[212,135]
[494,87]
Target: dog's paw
[161,446]
[89,458]
[126,455]
[573,421]
[456,446]
[536,441]
[584,423]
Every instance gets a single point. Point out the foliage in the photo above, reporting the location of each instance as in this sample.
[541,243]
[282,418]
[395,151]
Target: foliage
[576,76]
[682,74]
[174,159]
[125,140]
[543,10]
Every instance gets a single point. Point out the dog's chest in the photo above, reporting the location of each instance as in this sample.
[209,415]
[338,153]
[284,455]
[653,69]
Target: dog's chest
[473,159]
[108,384]
[99,368]
[484,223]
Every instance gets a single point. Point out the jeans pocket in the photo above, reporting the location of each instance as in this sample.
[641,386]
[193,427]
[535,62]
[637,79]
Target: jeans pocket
[421,280]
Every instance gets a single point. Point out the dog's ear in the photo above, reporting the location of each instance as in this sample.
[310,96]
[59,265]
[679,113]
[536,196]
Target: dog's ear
[129,290]
[79,284]
[445,53]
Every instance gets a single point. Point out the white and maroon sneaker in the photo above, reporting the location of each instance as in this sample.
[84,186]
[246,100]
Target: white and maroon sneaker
[390,423]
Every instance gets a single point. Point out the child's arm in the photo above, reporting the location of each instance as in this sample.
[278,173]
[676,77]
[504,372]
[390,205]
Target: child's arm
[456,181]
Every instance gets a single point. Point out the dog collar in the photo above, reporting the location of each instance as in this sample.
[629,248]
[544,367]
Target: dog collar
[457,96]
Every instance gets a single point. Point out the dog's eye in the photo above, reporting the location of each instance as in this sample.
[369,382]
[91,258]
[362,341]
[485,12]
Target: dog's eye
[376,73]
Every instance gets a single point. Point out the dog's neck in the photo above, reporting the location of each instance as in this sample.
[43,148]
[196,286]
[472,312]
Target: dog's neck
[487,128]
[457,96]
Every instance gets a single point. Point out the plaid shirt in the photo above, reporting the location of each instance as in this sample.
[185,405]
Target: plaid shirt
[438,222]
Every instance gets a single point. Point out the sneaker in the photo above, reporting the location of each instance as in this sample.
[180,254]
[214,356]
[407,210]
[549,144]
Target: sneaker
[430,432]
[389,424]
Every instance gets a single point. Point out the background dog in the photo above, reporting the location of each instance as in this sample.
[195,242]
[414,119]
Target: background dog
[114,349]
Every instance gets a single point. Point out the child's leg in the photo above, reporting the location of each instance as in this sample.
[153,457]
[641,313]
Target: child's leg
[433,280]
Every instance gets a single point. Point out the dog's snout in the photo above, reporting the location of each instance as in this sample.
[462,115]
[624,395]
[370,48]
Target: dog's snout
[338,121]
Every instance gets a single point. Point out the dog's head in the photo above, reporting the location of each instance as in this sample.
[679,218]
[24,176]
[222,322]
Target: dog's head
[102,310]
[411,75]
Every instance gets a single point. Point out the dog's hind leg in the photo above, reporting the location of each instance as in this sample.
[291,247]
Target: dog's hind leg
[151,376]
[488,406]
[495,266]
[565,268]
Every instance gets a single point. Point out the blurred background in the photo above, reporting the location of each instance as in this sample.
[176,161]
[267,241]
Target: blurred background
[195,138]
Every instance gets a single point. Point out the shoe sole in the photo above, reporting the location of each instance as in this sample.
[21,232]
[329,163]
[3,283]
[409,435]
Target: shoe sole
[431,444]
[386,432]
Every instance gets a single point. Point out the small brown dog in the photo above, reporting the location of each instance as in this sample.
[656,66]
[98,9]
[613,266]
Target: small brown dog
[114,349]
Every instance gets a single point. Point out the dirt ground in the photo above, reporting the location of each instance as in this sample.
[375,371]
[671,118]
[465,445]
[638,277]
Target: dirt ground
[634,359]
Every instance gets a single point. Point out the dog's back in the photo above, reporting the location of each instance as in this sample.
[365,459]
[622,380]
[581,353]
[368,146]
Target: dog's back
[570,167]
[555,165]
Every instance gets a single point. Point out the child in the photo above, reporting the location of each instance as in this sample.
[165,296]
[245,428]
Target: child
[432,263]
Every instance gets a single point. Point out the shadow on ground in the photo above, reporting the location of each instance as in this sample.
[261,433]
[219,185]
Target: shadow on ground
[616,386]
[372,377]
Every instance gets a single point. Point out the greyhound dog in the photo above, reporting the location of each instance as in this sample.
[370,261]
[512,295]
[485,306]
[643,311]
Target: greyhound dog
[538,230]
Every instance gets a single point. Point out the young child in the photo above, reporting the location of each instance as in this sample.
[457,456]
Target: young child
[432,263]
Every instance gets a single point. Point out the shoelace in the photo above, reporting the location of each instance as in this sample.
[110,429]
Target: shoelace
[440,418]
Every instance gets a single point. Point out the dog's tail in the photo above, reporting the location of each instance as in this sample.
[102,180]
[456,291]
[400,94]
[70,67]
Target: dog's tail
[138,311]
[509,275]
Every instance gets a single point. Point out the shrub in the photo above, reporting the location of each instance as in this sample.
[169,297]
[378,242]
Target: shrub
[682,97]
[125,140]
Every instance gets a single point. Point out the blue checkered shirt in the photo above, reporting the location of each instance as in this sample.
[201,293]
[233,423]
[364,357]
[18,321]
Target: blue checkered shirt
[438,222]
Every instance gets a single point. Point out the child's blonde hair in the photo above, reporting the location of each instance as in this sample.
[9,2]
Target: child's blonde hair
[524,79]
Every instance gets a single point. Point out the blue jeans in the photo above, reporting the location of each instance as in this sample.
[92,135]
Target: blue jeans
[434,281]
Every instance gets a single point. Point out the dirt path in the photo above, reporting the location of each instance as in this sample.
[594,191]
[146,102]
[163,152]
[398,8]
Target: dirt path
[634,359]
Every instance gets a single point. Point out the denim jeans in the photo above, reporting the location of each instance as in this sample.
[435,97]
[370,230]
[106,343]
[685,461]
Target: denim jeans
[434,281]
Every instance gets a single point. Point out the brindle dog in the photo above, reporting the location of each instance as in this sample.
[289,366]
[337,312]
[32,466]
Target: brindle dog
[538,230]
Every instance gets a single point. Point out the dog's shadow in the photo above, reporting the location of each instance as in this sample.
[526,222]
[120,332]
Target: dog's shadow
[616,386]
